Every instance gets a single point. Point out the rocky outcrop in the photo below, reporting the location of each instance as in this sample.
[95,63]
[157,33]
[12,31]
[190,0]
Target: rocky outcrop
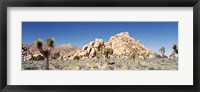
[90,50]
[123,44]
[72,55]
[30,52]
[25,52]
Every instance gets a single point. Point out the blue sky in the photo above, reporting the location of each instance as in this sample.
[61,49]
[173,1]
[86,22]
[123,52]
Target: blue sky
[152,34]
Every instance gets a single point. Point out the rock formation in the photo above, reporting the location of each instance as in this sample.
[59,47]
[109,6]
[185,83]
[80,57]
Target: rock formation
[92,48]
[122,44]
[30,52]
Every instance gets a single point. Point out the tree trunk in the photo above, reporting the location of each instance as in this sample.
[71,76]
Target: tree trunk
[163,57]
[106,55]
[41,50]
[176,51]
[47,63]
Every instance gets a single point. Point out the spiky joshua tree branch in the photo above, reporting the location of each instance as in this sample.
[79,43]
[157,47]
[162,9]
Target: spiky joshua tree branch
[46,53]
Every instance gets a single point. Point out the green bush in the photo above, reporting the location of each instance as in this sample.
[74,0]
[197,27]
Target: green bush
[76,58]
[108,51]
[99,54]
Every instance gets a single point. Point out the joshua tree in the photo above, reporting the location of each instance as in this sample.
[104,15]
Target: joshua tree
[162,51]
[107,52]
[175,47]
[46,53]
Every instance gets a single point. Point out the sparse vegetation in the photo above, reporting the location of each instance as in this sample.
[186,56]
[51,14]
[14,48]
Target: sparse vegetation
[105,64]
[116,62]
[134,53]
[107,52]
[99,54]
[121,52]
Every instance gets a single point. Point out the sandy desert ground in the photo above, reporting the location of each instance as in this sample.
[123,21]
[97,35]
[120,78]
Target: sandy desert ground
[103,64]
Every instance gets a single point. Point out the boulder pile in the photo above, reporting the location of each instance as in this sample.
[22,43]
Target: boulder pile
[122,44]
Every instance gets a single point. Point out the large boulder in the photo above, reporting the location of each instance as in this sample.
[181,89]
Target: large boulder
[123,44]
[90,50]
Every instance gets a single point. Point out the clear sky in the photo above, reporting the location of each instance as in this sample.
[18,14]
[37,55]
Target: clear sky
[152,34]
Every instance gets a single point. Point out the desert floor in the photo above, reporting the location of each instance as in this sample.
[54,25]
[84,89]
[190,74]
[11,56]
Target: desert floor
[103,64]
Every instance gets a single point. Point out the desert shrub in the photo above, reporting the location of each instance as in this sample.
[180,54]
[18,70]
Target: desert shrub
[76,57]
[99,54]
[134,53]
[107,52]
[95,67]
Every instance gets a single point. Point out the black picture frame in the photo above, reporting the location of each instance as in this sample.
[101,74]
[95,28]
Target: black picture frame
[99,3]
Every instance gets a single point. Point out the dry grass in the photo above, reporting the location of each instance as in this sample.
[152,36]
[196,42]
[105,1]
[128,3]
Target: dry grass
[104,64]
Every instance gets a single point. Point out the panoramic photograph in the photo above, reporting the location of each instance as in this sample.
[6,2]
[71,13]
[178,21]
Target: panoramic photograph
[99,46]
